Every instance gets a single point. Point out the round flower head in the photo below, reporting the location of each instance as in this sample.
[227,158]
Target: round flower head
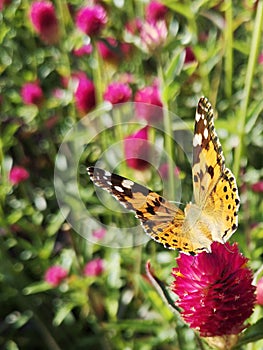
[215,290]
[55,275]
[32,93]
[18,174]
[257,187]
[44,20]
[155,11]
[91,19]
[149,96]
[118,93]
[84,94]
[153,35]
[94,267]
[137,150]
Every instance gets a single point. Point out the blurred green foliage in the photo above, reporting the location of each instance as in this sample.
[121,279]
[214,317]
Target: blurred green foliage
[120,308]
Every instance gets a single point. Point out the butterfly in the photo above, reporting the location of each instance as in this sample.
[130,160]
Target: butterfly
[212,216]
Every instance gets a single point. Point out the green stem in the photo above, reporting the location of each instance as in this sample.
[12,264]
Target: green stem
[229,50]
[97,76]
[254,49]
[168,136]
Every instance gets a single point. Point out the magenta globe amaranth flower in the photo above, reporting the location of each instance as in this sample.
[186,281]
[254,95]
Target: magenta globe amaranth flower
[84,94]
[55,275]
[215,290]
[155,11]
[91,20]
[18,174]
[149,97]
[137,150]
[257,187]
[94,267]
[44,20]
[118,93]
[32,93]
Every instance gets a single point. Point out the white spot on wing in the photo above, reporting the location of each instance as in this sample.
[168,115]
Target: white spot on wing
[127,183]
[205,133]
[119,189]
[197,140]
[197,117]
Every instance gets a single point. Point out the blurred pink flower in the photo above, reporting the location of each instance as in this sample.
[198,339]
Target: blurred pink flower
[149,96]
[84,94]
[259,291]
[32,93]
[164,171]
[83,50]
[260,58]
[215,290]
[55,275]
[118,93]
[257,187]
[99,234]
[153,35]
[44,20]
[155,11]
[4,3]
[18,174]
[91,20]
[189,55]
[137,150]
[94,267]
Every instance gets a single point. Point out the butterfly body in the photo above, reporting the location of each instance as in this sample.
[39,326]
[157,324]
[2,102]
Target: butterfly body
[213,215]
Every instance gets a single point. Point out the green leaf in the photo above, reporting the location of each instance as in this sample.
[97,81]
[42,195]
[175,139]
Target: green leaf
[252,334]
[62,313]
[176,65]
[57,221]
[37,288]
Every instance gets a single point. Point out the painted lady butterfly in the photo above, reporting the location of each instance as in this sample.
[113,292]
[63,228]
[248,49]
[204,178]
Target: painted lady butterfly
[213,216]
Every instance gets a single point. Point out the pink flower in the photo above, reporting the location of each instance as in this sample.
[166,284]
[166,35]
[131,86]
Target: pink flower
[153,35]
[260,58]
[189,55]
[155,11]
[137,150]
[149,97]
[44,20]
[99,234]
[4,3]
[32,93]
[94,267]
[85,94]
[91,20]
[259,291]
[257,187]
[82,51]
[215,290]
[18,174]
[118,93]
[55,275]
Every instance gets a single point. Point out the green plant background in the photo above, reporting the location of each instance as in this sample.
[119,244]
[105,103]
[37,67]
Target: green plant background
[119,309]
